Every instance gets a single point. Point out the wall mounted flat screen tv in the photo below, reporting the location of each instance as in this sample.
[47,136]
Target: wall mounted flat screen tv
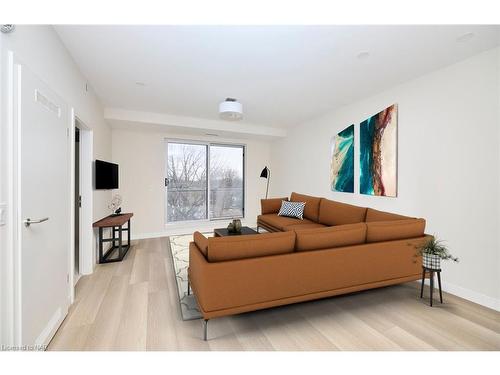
[106,175]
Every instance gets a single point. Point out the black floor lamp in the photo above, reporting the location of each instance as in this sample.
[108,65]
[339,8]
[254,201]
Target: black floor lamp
[266,173]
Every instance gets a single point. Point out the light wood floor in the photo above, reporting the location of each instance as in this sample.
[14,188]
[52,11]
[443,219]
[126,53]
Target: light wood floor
[133,305]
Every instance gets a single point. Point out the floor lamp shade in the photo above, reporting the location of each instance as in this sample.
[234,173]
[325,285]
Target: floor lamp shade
[266,173]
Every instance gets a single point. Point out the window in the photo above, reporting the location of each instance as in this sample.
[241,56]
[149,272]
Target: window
[204,181]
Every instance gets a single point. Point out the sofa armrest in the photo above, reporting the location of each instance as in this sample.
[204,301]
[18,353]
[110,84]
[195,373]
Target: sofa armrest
[271,205]
[197,272]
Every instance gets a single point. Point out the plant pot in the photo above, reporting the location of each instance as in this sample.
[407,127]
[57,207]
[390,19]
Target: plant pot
[431,261]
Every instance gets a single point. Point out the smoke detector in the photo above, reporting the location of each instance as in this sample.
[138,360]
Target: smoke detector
[230,109]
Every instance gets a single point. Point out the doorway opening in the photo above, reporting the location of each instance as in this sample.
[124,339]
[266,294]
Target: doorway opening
[82,237]
[78,204]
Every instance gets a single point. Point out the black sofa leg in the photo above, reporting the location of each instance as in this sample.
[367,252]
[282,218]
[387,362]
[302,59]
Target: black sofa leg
[205,329]
[189,288]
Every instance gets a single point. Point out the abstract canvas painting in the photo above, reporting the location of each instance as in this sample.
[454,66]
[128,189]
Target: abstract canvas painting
[378,153]
[342,161]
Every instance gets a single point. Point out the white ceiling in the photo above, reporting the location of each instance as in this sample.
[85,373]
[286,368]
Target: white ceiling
[283,75]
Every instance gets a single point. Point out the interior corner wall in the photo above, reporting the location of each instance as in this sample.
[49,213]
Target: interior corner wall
[41,50]
[141,157]
[448,165]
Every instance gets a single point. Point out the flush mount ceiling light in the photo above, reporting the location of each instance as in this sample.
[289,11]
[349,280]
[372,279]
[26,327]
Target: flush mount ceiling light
[230,109]
[465,37]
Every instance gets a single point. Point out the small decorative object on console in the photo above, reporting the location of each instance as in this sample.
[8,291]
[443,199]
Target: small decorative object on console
[114,206]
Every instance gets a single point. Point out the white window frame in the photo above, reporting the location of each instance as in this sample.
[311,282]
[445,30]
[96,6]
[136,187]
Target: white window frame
[207,144]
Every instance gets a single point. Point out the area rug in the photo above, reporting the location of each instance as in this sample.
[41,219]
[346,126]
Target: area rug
[179,249]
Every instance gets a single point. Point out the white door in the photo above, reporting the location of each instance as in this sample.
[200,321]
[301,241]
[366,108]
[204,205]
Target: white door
[43,120]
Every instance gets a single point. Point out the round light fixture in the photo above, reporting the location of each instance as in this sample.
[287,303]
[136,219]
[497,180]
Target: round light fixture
[230,109]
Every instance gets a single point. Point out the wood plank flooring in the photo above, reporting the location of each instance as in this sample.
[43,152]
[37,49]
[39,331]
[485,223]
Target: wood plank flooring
[132,305]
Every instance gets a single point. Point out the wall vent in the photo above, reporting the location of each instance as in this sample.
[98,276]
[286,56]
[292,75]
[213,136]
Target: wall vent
[51,106]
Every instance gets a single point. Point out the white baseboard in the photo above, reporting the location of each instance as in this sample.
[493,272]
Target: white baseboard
[470,295]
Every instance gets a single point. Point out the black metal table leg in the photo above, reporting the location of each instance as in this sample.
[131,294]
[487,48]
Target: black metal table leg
[128,233]
[100,245]
[422,284]
[439,282]
[432,284]
[120,241]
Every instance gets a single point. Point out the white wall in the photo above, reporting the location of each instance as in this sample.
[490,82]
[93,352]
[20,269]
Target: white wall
[141,157]
[448,165]
[41,50]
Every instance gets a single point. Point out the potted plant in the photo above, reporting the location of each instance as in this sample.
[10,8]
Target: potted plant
[432,252]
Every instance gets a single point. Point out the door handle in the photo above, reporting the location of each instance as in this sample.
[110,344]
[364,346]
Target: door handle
[27,222]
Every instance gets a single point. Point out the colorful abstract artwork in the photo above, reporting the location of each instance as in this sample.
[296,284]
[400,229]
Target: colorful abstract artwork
[378,153]
[342,161]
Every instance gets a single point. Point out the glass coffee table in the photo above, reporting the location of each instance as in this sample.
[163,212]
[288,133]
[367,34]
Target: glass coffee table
[223,232]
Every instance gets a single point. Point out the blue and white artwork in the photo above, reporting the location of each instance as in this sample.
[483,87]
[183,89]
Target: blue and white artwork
[342,161]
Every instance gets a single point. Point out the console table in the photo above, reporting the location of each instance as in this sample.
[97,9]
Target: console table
[116,222]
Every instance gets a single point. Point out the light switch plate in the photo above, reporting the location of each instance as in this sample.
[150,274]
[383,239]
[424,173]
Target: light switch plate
[3,213]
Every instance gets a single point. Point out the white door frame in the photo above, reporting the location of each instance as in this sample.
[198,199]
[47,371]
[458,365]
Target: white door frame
[86,260]
[8,264]
[11,278]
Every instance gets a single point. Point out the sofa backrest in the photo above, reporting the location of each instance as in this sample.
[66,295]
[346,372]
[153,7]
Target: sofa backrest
[311,210]
[271,205]
[330,237]
[337,213]
[394,230]
[375,215]
[250,246]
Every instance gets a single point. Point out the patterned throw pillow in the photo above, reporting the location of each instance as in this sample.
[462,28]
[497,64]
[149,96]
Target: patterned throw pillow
[292,209]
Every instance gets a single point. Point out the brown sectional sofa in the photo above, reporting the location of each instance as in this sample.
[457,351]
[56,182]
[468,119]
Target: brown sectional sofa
[337,248]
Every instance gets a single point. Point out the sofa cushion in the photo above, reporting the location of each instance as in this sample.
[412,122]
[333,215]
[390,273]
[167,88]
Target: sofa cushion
[375,215]
[201,241]
[311,211]
[271,206]
[336,213]
[280,222]
[292,209]
[250,246]
[394,230]
[330,237]
[303,226]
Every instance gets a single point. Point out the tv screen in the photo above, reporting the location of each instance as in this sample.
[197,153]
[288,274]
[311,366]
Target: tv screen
[106,175]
